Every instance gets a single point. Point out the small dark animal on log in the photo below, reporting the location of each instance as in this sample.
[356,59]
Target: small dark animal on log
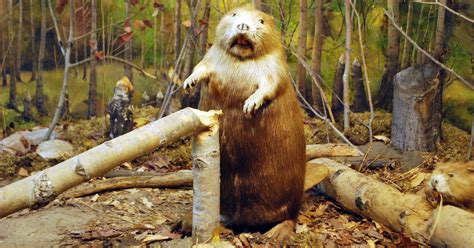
[119,109]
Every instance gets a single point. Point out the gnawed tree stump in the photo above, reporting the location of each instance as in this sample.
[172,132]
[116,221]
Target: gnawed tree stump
[360,98]
[26,114]
[119,109]
[407,213]
[413,117]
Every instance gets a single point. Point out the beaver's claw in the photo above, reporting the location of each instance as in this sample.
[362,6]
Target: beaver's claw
[189,83]
[253,103]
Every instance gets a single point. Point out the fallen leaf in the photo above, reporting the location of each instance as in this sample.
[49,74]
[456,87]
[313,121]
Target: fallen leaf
[382,138]
[147,203]
[419,178]
[370,243]
[302,229]
[321,209]
[127,165]
[23,172]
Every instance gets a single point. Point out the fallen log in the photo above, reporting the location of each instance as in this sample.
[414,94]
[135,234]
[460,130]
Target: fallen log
[42,187]
[330,150]
[407,213]
[175,179]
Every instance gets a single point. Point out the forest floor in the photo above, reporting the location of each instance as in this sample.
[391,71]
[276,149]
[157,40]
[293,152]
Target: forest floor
[144,216]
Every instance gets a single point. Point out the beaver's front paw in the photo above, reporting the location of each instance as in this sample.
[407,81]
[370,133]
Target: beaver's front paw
[190,82]
[253,103]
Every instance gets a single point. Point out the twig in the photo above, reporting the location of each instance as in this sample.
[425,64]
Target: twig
[436,221]
[366,75]
[427,54]
[447,8]
[138,68]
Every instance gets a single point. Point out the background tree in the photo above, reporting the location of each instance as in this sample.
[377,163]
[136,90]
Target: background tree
[347,62]
[92,102]
[391,64]
[128,71]
[11,104]
[19,41]
[317,53]
[34,56]
[301,72]
[405,60]
[39,94]
[205,27]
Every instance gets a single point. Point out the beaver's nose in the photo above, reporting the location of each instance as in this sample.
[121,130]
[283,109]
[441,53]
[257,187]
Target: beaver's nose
[243,27]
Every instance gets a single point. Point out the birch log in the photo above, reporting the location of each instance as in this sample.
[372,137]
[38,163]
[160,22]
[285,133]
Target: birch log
[407,213]
[206,183]
[44,186]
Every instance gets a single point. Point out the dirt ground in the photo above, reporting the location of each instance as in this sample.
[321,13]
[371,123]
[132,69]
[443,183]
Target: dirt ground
[136,217]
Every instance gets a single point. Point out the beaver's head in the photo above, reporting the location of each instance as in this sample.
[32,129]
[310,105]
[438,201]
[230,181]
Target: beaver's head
[247,33]
[455,181]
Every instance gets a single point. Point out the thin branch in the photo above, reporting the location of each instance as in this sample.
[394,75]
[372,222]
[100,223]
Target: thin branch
[468,84]
[447,8]
[366,75]
[56,28]
[138,68]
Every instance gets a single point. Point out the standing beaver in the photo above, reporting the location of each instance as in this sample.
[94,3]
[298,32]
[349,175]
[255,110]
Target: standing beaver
[245,74]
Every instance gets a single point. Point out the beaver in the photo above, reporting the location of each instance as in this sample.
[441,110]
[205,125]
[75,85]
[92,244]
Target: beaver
[455,182]
[246,75]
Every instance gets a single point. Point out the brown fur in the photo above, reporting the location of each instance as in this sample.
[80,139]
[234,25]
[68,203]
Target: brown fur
[460,181]
[261,132]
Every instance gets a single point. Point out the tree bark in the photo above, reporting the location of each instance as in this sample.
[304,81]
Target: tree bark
[283,24]
[337,90]
[128,70]
[317,54]
[413,117]
[385,96]
[92,102]
[407,47]
[439,50]
[407,213]
[19,41]
[360,98]
[26,114]
[347,62]
[330,150]
[192,99]
[177,28]
[34,56]
[42,187]
[11,104]
[204,33]
[301,72]
[39,95]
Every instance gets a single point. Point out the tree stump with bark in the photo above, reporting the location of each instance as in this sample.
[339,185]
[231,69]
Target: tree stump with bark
[360,98]
[119,109]
[413,118]
[26,114]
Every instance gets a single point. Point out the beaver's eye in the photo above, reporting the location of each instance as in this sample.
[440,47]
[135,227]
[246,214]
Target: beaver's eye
[261,21]
[234,14]
[450,174]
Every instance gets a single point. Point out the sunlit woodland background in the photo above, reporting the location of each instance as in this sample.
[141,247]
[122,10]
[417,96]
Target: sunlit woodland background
[151,27]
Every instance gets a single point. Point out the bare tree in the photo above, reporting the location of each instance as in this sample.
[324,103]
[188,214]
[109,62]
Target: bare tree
[11,104]
[405,60]
[317,53]
[19,41]
[283,24]
[92,102]
[301,72]
[128,71]
[177,29]
[347,62]
[391,65]
[204,33]
[39,94]
[34,61]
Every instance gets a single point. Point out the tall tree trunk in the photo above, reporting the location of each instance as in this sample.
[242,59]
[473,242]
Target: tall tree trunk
[301,72]
[39,95]
[438,53]
[360,98]
[19,41]
[405,60]
[385,96]
[177,28]
[317,53]
[128,70]
[92,102]
[11,61]
[193,99]
[204,34]
[34,58]
[347,62]
[337,90]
